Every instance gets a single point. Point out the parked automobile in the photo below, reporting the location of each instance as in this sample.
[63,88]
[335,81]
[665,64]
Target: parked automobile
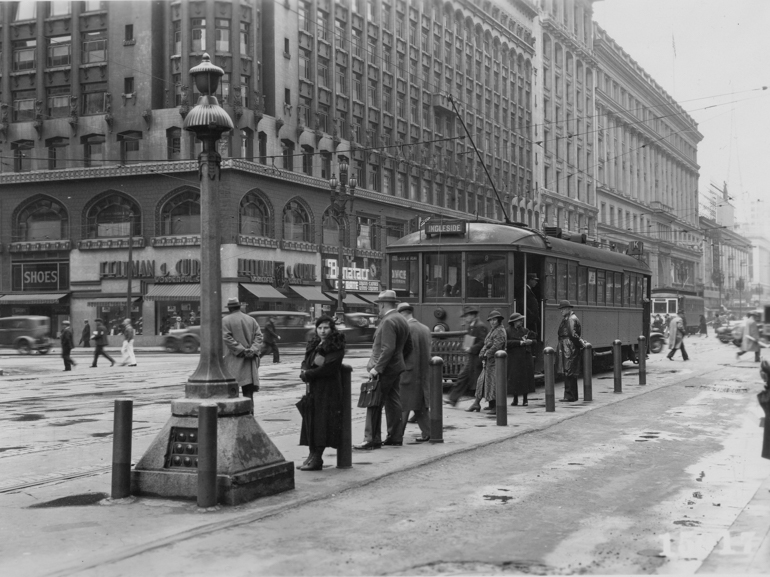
[291,326]
[657,341]
[359,327]
[187,340]
[26,334]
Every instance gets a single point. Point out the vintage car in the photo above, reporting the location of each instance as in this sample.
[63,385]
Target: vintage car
[26,334]
[359,327]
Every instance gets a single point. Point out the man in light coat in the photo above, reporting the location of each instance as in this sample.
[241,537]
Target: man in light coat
[676,337]
[127,351]
[750,340]
[414,386]
[392,344]
[243,339]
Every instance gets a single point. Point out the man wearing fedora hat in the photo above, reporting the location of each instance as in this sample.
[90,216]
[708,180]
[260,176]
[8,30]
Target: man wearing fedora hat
[392,343]
[414,386]
[568,350]
[243,339]
[533,304]
[67,344]
[469,374]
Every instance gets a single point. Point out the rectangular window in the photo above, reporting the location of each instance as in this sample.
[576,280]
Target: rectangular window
[303,16]
[59,51]
[618,289]
[24,55]
[58,100]
[305,71]
[128,85]
[222,33]
[245,90]
[485,276]
[323,73]
[358,88]
[600,287]
[561,280]
[177,49]
[25,11]
[129,33]
[93,98]
[92,5]
[367,237]
[591,286]
[245,39]
[24,105]
[443,275]
[609,292]
[342,82]
[94,47]
[93,150]
[307,160]
[405,275]
[322,25]
[372,93]
[572,281]
[582,289]
[198,34]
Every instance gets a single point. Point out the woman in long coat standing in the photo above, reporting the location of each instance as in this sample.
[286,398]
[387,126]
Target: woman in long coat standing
[321,370]
[521,366]
[493,342]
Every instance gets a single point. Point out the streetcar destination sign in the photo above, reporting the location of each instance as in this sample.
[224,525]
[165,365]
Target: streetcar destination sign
[449,228]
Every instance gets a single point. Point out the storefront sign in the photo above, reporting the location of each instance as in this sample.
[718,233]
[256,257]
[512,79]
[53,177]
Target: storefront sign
[186,270]
[276,273]
[40,276]
[363,276]
[119,269]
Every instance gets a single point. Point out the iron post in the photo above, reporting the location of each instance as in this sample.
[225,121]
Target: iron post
[501,384]
[617,358]
[121,448]
[588,371]
[345,451]
[436,401]
[642,360]
[207,454]
[548,366]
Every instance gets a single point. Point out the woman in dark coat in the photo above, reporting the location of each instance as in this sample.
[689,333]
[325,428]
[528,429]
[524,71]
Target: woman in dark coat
[321,370]
[521,366]
[702,328]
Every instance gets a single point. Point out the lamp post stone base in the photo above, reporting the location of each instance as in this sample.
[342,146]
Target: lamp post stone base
[249,465]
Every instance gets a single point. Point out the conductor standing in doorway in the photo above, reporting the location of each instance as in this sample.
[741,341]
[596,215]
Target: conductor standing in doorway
[392,343]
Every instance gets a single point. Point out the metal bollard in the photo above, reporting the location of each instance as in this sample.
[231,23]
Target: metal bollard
[207,454]
[617,358]
[588,371]
[501,386]
[436,380]
[548,366]
[121,448]
[642,360]
[345,451]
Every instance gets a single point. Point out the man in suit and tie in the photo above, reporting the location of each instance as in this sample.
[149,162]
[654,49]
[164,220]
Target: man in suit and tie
[392,343]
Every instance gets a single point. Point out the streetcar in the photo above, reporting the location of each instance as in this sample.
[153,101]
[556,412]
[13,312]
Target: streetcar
[665,302]
[445,267]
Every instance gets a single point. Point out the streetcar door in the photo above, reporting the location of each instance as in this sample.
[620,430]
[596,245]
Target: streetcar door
[519,284]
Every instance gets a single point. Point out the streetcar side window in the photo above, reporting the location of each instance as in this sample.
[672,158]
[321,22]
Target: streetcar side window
[600,284]
[405,275]
[572,281]
[609,290]
[660,307]
[627,290]
[618,289]
[485,275]
[550,279]
[582,292]
[561,280]
[442,275]
[639,293]
[591,286]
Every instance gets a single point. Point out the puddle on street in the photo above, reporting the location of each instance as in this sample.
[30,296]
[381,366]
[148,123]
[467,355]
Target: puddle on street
[4,449]
[101,434]
[72,501]
[72,422]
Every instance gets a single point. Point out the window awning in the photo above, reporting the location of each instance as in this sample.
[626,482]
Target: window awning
[110,302]
[310,293]
[32,299]
[174,292]
[262,291]
[351,299]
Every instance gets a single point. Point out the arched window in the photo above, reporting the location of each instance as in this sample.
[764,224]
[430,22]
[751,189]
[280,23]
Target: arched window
[110,214]
[331,228]
[41,219]
[256,217]
[296,222]
[182,214]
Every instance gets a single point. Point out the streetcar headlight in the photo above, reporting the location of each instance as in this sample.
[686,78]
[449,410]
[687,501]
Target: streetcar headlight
[440,328]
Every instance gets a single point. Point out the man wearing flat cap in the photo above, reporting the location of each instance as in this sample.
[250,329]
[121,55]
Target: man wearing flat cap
[392,343]
[414,387]
[67,344]
[243,339]
[568,350]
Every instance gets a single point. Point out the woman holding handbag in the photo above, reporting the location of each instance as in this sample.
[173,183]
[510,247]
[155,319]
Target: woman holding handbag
[493,342]
[321,407]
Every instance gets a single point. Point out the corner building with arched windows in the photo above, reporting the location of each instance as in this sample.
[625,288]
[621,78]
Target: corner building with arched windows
[93,97]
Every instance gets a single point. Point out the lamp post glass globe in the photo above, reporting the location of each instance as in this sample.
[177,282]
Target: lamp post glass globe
[206,76]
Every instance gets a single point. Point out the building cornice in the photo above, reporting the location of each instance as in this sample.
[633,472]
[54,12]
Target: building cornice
[560,32]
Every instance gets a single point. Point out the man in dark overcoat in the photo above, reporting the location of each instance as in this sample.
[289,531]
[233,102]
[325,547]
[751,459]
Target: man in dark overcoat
[414,387]
[67,344]
[85,336]
[243,339]
[270,339]
[100,341]
[392,344]
[470,372]
[568,350]
[521,366]
[533,304]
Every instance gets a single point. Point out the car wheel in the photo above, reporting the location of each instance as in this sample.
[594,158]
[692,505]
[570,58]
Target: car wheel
[656,346]
[171,347]
[44,350]
[189,346]
[23,348]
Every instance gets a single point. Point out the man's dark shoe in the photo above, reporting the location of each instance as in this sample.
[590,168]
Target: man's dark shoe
[422,439]
[392,443]
[368,446]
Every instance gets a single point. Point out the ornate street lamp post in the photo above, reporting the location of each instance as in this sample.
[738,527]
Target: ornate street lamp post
[339,210]
[248,464]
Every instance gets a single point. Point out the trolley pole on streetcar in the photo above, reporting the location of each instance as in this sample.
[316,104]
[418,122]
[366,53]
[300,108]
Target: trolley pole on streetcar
[548,365]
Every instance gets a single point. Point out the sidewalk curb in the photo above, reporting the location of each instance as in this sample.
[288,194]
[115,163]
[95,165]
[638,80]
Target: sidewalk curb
[250,517]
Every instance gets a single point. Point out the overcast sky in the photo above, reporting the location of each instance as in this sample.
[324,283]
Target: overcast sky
[722,48]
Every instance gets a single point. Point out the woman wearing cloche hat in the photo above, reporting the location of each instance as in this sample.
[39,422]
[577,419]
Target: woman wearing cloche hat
[521,368]
[494,341]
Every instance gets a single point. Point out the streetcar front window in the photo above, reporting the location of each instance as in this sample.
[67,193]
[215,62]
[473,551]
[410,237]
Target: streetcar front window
[405,276]
[442,275]
[486,276]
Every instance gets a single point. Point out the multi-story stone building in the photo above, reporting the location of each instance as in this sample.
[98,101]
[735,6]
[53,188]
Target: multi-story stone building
[646,170]
[93,97]
[567,137]
[753,225]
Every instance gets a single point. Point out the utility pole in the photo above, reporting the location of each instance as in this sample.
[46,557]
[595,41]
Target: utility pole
[130,268]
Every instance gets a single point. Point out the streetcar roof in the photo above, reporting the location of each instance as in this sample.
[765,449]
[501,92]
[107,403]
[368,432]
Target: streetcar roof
[491,236]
